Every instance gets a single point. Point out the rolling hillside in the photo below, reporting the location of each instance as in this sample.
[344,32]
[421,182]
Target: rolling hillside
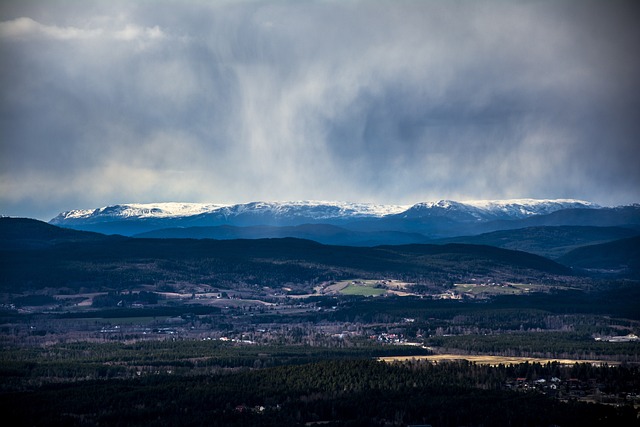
[550,241]
[621,257]
[121,263]
[30,233]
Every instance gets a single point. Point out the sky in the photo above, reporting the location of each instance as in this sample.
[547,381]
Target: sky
[399,102]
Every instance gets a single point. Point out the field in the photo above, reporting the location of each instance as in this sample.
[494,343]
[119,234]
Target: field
[494,360]
[363,290]
[489,289]
[366,287]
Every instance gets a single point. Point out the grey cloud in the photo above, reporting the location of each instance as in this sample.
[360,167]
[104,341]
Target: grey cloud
[393,102]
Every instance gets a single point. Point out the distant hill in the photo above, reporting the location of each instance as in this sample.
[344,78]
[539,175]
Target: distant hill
[120,262]
[621,257]
[322,233]
[30,233]
[548,241]
[621,216]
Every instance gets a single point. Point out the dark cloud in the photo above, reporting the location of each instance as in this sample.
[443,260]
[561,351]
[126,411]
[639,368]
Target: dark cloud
[393,102]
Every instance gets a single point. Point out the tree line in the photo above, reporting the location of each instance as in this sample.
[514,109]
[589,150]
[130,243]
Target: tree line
[359,392]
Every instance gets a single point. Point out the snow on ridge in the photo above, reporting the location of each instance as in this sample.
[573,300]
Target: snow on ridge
[497,209]
[170,209]
[528,207]
[321,209]
[143,210]
[444,204]
[530,202]
[349,208]
[315,208]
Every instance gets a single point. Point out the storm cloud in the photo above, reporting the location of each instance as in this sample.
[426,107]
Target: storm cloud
[383,101]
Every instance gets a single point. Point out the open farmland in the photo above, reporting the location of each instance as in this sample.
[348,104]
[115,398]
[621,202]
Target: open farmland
[362,289]
[367,287]
[491,289]
[495,360]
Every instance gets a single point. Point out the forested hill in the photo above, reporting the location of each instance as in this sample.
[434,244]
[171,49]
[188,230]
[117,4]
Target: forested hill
[621,256]
[321,233]
[30,233]
[124,262]
[548,241]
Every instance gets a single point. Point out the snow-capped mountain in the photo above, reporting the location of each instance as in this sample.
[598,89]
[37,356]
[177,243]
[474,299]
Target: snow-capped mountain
[309,210]
[426,217]
[491,210]
[138,210]
[523,208]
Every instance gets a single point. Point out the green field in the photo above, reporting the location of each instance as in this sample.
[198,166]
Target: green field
[363,290]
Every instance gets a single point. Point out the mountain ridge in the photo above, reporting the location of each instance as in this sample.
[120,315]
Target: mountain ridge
[135,218]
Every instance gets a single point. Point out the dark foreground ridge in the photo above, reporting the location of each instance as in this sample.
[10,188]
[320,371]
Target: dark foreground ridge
[68,258]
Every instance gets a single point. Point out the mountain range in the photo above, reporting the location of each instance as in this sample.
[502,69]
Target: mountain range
[430,218]
[364,224]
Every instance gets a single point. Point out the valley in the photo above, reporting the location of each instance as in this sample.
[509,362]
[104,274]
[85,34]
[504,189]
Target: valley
[289,331]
